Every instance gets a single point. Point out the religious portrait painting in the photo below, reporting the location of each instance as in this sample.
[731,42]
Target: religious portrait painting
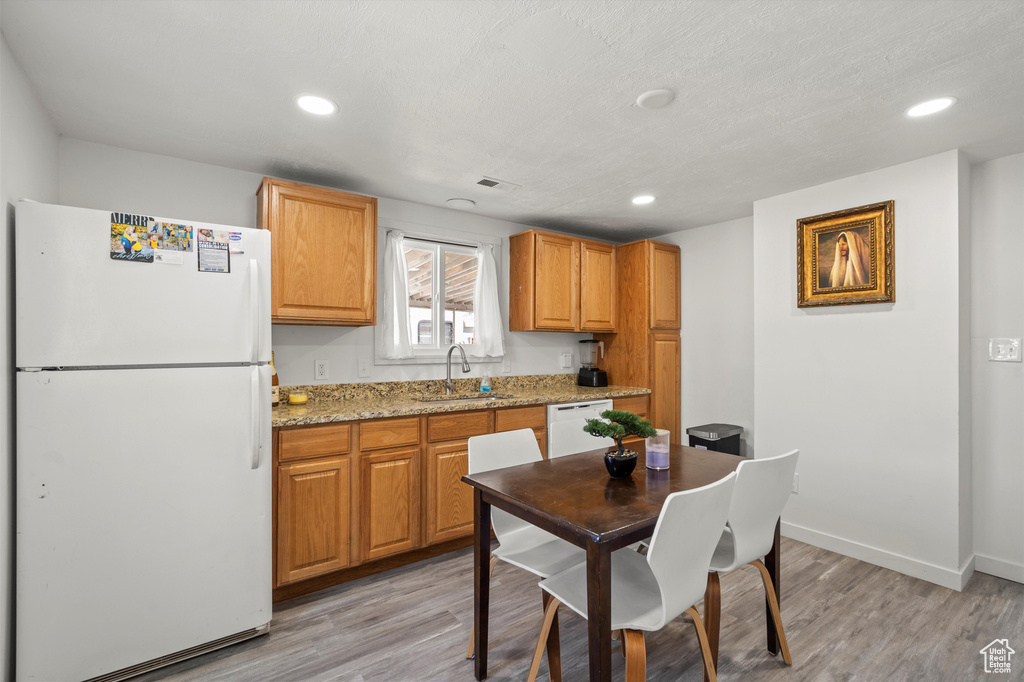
[846,257]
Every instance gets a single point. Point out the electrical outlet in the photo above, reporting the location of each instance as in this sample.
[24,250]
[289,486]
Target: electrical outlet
[319,370]
[1004,350]
[796,484]
[506,366]
[364,368]
[566,360]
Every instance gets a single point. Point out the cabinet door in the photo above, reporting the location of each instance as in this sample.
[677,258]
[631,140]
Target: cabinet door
[389,515]
[312,518]
[665,400]
[324,254]
[664,286]
[449,500]
[556,292]
[597,287]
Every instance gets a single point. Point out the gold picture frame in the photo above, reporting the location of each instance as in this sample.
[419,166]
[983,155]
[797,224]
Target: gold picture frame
[846,257]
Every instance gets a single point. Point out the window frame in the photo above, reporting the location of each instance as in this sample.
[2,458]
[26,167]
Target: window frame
[438,321]
[420,232]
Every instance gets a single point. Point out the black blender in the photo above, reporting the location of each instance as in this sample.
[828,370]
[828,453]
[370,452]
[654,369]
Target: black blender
[589,374]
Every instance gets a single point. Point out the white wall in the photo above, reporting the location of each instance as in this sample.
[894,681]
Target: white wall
[869,393]
[28,169]
[718,325]
[103,177]
[997,250]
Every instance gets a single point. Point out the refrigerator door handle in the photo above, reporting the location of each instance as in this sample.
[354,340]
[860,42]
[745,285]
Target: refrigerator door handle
[254,308]
[254,418]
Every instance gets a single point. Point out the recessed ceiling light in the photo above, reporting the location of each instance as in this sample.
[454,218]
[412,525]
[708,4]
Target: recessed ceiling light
[655,99]
[317,105]
[462,204]
[931,106]
[643,199]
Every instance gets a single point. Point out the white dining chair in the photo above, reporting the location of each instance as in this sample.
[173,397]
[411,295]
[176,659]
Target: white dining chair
[649,591]
[519,543]
[762,489]
[568,438]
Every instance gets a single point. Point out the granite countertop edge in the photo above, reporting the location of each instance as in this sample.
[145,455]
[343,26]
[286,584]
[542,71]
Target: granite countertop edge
[345,410]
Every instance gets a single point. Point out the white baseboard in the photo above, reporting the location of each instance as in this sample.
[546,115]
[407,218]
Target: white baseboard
[953,579]
[999,568]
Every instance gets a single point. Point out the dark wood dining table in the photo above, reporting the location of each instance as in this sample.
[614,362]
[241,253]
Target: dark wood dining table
[574,498]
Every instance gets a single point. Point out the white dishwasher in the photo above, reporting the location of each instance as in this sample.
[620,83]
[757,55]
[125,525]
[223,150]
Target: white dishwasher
[570,411]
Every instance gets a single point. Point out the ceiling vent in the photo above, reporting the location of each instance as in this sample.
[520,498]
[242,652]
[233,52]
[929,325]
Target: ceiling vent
[498,184]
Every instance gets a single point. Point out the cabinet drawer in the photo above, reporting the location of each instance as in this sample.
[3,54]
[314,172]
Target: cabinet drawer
[636,404]
[315,441]
[459,425]
[389,433]
[513,418]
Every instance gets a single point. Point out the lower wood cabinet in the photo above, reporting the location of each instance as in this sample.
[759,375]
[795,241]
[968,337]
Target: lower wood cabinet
[533,417]
[637,404]
[665,388]
[314,528]
[389,515]
[355,492]
[449,500]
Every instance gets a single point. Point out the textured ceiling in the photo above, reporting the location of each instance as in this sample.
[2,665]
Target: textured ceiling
[772,96]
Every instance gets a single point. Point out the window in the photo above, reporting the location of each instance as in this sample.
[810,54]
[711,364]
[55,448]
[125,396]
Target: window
[436,293]
[441,282]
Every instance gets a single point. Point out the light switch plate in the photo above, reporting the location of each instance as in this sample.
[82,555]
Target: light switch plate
[566,360]
[1004,350]
[506,366]
[364,368]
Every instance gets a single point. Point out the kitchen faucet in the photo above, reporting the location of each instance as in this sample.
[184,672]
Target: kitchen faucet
[449,386]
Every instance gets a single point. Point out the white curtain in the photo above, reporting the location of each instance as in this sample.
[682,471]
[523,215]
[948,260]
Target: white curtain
[395,342]
[488,338]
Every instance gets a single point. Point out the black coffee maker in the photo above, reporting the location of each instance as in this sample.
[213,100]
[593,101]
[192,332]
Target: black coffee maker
[589,374]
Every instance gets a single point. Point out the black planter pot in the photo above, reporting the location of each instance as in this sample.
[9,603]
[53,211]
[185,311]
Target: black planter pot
[620,467]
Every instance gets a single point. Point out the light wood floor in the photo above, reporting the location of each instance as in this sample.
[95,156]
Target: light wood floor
[845,620]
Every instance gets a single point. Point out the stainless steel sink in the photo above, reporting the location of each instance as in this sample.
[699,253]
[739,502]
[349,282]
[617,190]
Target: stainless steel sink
[463,397]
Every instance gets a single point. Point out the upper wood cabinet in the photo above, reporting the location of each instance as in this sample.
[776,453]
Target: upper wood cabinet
[560,283]
[324,253]
[597,286]
[664,285]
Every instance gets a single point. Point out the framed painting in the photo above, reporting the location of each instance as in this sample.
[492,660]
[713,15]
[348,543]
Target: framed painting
[846,257]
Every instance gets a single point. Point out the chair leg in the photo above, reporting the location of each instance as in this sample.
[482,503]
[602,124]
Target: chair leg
[472,628]
[773,603]
[617,634]
[698,625]
[712,615]
[549,616]
[553,647]
[636,655]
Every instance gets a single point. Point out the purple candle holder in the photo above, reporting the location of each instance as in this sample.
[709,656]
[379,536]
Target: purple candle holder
[657,450]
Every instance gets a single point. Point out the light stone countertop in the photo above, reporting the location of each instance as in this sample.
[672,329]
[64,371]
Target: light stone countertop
[350,402]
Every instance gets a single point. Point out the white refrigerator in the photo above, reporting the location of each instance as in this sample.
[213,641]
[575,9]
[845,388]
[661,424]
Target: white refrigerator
[143,520]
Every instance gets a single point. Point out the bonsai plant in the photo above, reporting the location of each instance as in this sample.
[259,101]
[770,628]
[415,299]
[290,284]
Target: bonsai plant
[621,423]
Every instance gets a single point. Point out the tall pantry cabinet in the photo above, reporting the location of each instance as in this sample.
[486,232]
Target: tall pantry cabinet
[645,351]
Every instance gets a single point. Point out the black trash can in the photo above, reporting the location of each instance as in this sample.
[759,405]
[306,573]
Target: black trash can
[717,437]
